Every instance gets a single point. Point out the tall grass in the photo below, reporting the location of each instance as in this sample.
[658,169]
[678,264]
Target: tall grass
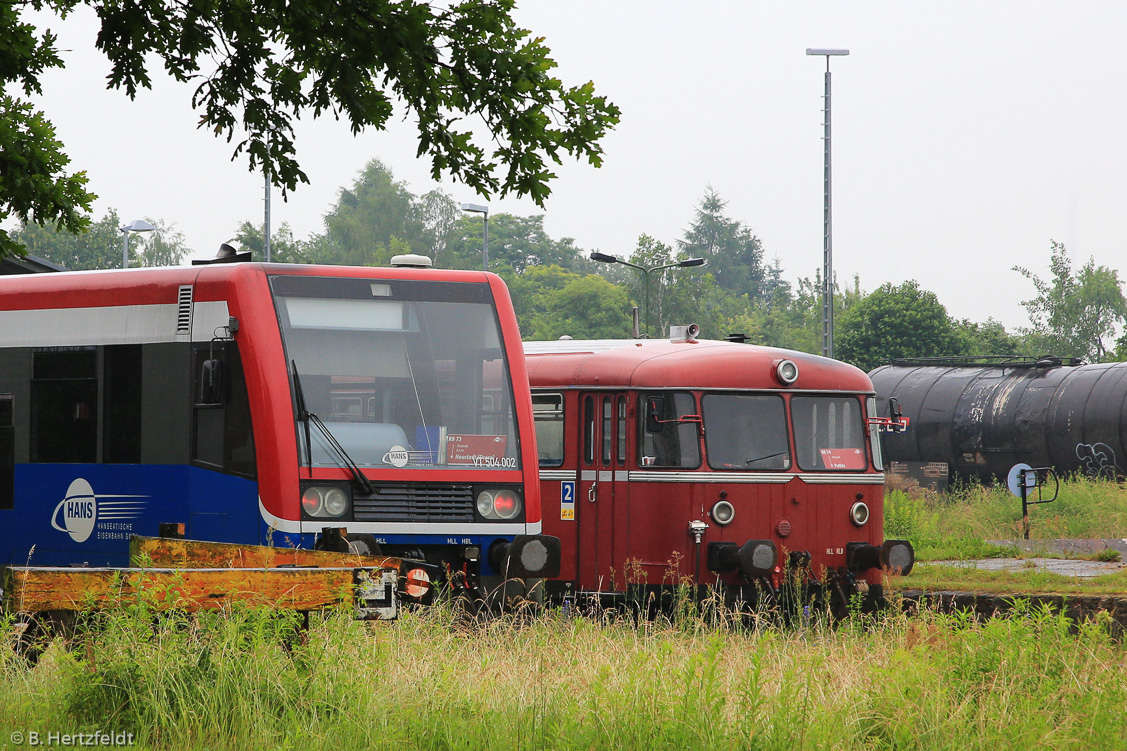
[956,524]
[251,679]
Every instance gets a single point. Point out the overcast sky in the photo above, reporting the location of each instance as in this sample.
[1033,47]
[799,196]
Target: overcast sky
[966,137]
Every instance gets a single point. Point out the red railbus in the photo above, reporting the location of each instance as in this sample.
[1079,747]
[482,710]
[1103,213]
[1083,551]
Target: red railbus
[717,462]
[264,404]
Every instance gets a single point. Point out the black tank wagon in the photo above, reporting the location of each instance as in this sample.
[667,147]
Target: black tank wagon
[982,416]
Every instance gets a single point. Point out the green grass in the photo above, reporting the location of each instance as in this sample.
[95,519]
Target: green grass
[955,525]
[1028,581]
[434,681]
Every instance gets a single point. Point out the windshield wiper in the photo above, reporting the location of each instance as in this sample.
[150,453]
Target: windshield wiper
[308,417]
[784,452]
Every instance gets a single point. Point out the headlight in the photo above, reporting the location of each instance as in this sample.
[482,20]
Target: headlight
[485,505]
[499,504]
[859,513]
[325,501]
[336,502]
[787,372]
[723,513]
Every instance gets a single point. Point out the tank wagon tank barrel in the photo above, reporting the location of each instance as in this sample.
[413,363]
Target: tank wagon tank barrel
[983,416]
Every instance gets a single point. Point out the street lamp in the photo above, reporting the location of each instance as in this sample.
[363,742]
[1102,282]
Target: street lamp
[827,217]
[137,225]
[477,208]
[687,263]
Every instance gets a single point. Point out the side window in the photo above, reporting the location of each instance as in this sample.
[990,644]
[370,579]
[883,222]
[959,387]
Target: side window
[7,452]
[874,435]
[548,411]
[64,406]
[588,430]
[222,435]
[608,424]
[668,438]
[621,431]
[121,398]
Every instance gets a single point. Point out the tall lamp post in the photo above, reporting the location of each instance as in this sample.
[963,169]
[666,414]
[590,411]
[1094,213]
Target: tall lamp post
[137,225]
[827,216]
[477,208]
[687,263]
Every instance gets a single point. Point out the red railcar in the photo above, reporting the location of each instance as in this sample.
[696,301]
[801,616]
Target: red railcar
[722,463]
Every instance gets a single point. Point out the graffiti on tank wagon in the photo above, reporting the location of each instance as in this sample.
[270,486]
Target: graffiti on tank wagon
[1097,460]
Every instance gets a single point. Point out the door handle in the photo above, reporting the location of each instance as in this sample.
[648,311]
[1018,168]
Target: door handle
[592,492]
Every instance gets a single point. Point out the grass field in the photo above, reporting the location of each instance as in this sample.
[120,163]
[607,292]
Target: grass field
[252,679]
[956,525]
[249,679]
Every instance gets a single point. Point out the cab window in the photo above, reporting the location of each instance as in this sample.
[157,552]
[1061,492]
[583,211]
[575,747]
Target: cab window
[547,409]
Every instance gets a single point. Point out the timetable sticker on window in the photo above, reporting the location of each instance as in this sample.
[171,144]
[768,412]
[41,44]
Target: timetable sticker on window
[843,458]
[479,451]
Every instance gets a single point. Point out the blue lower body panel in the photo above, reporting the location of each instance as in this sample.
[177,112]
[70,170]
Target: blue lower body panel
[76,514]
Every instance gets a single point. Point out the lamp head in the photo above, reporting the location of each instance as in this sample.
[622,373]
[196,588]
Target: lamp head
[603,257]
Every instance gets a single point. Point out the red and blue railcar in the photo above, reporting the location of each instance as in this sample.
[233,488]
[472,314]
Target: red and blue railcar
[264,404]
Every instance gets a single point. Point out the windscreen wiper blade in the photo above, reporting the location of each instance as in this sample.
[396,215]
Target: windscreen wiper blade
[303,416]
[346,460]
[308,417]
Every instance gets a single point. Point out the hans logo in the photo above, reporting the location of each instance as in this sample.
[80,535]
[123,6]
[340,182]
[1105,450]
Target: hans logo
[397,456]
[80,512]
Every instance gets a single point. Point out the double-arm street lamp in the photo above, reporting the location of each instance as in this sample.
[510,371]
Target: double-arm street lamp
[687,263]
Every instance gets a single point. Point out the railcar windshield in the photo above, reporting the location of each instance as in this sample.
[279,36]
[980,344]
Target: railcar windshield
[402,373]
[828,432]
[745,431]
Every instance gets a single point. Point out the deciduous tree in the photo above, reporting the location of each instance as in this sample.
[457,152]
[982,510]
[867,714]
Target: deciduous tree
[895,321]
[96,247]
[259,65]
[1075,313]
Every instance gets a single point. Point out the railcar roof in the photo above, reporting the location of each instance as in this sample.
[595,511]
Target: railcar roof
[152,285]
[704,363]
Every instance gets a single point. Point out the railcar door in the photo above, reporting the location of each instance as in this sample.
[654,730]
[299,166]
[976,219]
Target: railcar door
[601,490]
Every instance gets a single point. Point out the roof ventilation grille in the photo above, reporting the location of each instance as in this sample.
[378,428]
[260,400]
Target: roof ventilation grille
[184,310]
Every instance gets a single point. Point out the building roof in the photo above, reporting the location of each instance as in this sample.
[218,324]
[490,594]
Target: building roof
[28,264]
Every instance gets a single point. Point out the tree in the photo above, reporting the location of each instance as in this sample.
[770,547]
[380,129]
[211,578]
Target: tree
[515,242]
[259,65]
[96,247]
[551,302]
[733,252]
[891,322]
[367,220]
[34,186]
[1074,314]
[283,247]
[163,246]
[988,339]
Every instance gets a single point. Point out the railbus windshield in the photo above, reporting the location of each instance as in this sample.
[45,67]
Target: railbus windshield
[746,431]
[401,374]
